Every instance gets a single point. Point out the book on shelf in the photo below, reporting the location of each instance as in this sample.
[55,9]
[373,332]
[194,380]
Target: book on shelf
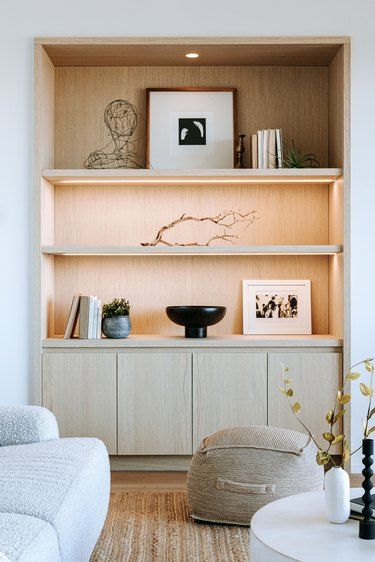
[254,150]
[99,313]
[72,318]
[91,328]
[88,310]
[272,148]
[260,149]
[265,155]
[279,148]
[267,149]
[84,317]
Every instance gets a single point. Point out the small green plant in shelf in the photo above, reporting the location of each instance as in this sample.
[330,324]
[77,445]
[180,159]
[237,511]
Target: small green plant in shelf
[293,158]
[116,319]
[117,307]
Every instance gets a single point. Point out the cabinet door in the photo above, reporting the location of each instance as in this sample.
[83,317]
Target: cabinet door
[154,403]
[229,389]
[316,379]
[80,389]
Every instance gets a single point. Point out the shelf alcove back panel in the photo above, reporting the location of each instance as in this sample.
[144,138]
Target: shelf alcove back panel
[294,99]
[126,216]
[152,283]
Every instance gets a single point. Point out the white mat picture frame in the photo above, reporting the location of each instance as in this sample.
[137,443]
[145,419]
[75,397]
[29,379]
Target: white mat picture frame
[190,128]
[280,306]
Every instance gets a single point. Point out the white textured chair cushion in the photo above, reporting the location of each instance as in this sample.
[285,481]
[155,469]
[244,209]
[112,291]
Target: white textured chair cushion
[24,538]
[26,424]
[64,482]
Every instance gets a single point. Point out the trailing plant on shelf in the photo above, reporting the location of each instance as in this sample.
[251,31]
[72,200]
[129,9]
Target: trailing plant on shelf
[116,320]
[293,158]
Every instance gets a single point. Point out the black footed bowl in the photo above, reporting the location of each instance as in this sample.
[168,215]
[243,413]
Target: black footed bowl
[195,318]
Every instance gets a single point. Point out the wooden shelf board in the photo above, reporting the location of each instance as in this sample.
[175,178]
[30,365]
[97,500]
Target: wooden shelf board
[247,176]
[300,250]
[211,341]
[170,51]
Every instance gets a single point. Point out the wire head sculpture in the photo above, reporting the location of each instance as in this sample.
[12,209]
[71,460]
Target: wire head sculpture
[121,119]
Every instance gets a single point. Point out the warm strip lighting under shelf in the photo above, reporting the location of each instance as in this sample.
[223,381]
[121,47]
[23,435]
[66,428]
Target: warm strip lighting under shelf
[212,254]
[193,181]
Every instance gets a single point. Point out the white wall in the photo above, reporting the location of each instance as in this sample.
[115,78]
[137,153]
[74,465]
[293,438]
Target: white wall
[22,20]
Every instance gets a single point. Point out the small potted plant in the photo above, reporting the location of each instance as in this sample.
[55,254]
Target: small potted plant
[116,320]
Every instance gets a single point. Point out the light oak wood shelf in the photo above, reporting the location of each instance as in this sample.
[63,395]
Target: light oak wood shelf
[238,341]
[298,250]
[248,176]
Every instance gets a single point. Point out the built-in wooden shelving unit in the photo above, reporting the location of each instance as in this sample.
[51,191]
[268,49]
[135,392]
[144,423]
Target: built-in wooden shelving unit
[91,225]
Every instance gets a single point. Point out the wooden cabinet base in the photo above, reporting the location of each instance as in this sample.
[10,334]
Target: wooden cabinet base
[154,407]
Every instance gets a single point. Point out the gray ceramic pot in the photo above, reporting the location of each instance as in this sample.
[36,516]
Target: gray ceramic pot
[116,327]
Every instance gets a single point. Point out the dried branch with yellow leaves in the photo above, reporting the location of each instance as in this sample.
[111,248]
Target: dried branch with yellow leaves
[334,414]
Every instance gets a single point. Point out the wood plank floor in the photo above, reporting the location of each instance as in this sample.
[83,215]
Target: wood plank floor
[127,480]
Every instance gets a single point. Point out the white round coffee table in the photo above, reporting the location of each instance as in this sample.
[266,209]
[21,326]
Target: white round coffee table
[295,528]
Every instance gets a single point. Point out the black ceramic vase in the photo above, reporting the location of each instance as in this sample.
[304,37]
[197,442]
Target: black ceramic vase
[367,525]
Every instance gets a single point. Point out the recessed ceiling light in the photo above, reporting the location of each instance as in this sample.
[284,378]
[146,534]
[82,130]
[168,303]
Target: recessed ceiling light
[191,55]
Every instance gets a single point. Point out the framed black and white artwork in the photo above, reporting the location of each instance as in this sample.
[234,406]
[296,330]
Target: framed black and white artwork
[276,306]
[190,128]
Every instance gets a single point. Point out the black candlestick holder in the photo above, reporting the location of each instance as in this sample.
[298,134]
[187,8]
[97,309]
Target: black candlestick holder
[240,149]
[367,525]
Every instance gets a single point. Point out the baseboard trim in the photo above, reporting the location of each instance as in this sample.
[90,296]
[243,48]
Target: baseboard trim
[147,463]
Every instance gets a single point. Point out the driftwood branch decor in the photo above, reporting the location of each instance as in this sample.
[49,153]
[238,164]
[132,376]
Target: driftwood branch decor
[227,219]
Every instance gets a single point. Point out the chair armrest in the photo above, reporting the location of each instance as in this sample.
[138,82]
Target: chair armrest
[26,424]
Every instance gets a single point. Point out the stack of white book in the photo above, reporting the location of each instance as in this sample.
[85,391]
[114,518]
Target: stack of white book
[88,310]
[267,149]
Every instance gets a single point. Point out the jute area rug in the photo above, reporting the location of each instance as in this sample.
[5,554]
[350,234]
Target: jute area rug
[149,526]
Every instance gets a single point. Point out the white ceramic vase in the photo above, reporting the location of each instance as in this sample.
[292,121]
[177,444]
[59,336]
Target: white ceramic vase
[337,495]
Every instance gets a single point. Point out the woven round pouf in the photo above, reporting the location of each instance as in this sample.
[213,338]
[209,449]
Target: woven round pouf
[237,471]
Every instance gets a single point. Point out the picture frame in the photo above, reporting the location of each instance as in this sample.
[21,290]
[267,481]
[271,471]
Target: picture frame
[191,128]
[280,306]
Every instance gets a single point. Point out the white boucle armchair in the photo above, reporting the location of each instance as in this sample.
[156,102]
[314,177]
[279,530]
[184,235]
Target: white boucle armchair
[54,492]
[20,425]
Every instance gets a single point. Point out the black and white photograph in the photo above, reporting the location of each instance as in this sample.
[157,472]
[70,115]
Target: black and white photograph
[190,128]
[279,306]
[276,306]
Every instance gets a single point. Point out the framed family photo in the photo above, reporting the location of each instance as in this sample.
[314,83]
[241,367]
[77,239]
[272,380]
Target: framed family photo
[276,307]
[190,128]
